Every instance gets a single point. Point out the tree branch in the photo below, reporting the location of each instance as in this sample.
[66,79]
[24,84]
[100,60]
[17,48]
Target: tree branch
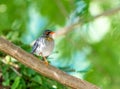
[65,30]
[37,65]
[108,13]
[62,8]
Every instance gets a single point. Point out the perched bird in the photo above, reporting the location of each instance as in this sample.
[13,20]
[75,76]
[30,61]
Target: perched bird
[44,45]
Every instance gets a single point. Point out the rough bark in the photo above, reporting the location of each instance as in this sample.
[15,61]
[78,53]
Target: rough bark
[37,65]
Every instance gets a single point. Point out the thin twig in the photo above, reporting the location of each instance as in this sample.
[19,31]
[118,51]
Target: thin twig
[67,29]
[62,8]
[107,13]
[11,67]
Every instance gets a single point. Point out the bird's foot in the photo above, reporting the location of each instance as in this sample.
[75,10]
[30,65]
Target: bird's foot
[46,63]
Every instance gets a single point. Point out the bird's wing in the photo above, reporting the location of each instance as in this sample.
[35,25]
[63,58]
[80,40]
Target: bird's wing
[35,46]
[38,43]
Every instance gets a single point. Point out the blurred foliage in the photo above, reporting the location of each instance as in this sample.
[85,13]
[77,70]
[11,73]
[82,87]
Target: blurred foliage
[77,53]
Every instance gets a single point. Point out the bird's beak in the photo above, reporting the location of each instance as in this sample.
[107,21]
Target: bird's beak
[52,33]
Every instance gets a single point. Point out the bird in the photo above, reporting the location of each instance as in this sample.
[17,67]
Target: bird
[44,45]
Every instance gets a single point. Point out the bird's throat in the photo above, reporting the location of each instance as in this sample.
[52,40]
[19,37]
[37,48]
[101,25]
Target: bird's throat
[49,39]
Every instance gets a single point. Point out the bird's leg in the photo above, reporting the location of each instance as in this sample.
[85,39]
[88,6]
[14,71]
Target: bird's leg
[46,62]
[44,59]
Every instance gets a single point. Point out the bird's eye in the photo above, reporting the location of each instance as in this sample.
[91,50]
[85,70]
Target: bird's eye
[47,33]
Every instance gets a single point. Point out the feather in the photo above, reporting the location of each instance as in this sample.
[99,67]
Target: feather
[34,47]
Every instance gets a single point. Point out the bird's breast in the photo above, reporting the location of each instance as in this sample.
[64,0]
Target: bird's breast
[45,47]
[48,47]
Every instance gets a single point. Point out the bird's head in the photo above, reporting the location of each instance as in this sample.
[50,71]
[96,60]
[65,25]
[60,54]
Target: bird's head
[48,33]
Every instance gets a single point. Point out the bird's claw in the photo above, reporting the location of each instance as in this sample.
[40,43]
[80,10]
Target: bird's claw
[46,63]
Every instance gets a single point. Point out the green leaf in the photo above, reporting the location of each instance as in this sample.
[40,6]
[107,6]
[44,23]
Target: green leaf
[16,83]
[37,79]
[6,83]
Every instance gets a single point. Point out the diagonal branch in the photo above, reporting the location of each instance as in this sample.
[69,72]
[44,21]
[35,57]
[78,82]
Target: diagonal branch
[108,13]
[65,30]
[62,8]
[37,65]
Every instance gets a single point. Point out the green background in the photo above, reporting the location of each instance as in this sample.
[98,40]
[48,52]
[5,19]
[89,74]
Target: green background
[90,51]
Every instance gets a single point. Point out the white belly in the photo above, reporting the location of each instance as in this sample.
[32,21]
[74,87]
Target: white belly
[45,49]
